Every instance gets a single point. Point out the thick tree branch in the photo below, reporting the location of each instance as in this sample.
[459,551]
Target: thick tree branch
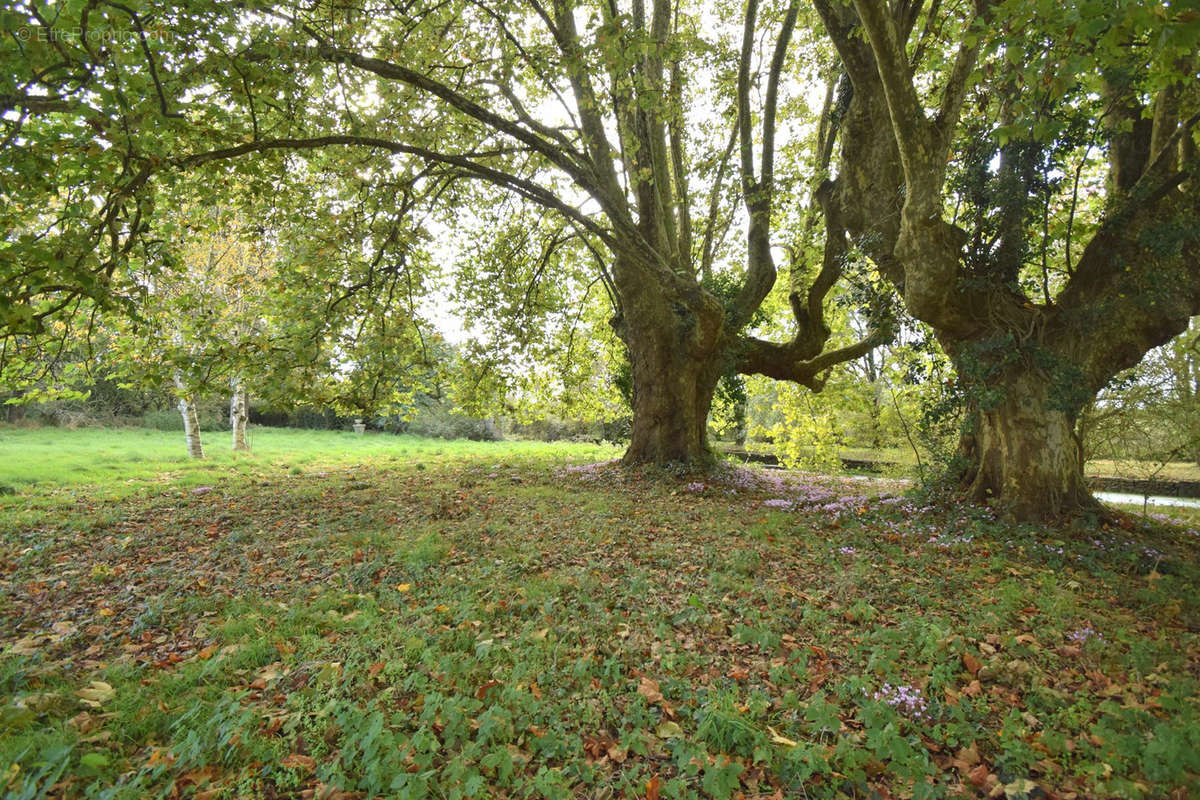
[759,195]
[598,177]
[708,248]
[744,119]
[679,170]
[843,27]
[788,362]
[771,104]
[521,186]
[599,149]
[953,95]
[908,118]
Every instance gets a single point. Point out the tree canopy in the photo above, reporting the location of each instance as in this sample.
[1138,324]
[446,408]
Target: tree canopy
[1020,174]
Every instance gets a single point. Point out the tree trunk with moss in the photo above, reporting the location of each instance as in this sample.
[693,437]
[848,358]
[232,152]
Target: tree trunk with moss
[1025,451]
[675,356]
[1026,367]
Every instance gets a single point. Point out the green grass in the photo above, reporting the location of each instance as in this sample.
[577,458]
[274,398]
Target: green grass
[407,618]
[905,463]
[1182,515]
[1173,471]
[52,457]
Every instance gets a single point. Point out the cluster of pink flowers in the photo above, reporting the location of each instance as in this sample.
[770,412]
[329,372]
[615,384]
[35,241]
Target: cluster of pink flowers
[908,700]
[590,472]
[949,541]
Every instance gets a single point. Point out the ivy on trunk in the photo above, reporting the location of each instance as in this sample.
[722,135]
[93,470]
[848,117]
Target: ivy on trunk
[1137,280]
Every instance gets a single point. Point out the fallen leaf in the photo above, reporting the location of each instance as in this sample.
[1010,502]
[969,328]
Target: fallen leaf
[669,730]
[972,663]
[96,694]
[26,646]
[783,740]
[483,690]
[1019,788]
[300,762]
[648,688]
[653,786]
[595,748]
[64,628]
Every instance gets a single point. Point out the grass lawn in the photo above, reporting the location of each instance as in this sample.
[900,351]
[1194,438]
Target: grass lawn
[124,459]
[906,463]
[1173,471]
[341,617]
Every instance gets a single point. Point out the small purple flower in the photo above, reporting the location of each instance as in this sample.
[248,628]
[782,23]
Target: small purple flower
[846,551]
[695,487]
[777,502]
[908,700]
[1083,634]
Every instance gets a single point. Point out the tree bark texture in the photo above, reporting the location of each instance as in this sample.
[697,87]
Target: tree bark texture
[1025,452]
[191,427]
[239,413]
[676,354]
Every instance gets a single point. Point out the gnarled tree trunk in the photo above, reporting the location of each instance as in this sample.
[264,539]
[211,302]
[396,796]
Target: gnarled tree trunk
[672,395]
[239,412]
[1024,451]
[676,359]
[1132,289]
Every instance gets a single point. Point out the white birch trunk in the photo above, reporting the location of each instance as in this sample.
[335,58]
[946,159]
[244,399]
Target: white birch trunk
[191,421]
[239,412]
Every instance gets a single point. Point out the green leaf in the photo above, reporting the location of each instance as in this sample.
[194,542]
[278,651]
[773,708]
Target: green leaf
[94,760]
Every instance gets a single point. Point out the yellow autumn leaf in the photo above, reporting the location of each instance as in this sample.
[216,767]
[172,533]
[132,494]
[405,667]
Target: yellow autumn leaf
[96,694]
[776,738]
[669,730]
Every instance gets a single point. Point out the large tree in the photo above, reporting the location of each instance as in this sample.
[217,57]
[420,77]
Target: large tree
[1038,301]
[628,123]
